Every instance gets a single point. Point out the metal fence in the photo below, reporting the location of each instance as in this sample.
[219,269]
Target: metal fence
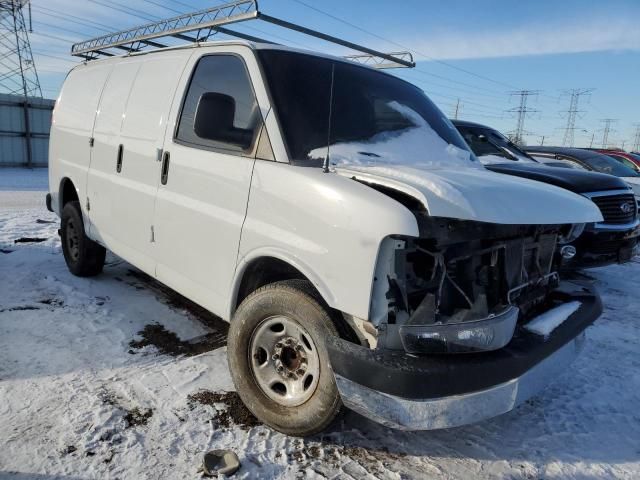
[24,130]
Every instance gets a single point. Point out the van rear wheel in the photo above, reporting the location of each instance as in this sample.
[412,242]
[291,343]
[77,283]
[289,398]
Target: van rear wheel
[279,361]
[84,257]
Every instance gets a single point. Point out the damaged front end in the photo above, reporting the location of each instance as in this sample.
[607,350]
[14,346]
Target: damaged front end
[462,286]
[449,335]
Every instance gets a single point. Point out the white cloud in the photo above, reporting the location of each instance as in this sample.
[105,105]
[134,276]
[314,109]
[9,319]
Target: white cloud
[573,36]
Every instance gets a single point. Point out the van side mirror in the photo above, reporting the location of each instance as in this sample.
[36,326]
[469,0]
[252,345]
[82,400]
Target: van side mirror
[214,121]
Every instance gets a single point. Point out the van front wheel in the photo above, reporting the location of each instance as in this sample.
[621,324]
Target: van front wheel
[278,358]
[84,257]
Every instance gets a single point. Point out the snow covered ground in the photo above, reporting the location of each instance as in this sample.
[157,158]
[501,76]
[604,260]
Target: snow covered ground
[78,400]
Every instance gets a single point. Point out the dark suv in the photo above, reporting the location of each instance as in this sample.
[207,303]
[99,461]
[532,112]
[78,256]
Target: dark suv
[613,241]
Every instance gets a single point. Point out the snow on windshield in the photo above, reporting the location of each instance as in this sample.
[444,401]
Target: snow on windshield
[418,145]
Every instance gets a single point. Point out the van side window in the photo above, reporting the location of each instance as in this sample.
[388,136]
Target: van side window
[220,110]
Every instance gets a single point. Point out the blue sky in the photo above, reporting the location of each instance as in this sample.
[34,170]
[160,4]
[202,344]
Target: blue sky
[475,51]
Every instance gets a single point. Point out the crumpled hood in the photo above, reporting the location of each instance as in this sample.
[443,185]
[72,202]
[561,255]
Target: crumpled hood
[480,195]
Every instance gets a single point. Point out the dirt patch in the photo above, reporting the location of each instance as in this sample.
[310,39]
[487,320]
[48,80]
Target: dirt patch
[29,240]
[178,302]
[5,250]
[168,343]
[135,417]
[54,302]
[235,412]
[69,450]
[132,416]
[19,308]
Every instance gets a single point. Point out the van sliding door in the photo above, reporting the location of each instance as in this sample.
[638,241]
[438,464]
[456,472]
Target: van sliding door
[129,137]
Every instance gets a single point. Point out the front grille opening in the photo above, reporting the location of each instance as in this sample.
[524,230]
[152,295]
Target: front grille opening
[613,208]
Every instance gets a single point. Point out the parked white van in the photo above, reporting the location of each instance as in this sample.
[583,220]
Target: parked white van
[334,216]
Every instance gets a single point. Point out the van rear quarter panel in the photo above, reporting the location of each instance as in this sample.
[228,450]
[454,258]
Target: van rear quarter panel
[72,126]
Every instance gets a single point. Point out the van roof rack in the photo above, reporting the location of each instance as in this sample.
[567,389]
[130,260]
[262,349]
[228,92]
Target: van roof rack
[210,21]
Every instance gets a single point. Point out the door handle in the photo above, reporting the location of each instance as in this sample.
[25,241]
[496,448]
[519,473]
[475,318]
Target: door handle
[119,160]
[164,175]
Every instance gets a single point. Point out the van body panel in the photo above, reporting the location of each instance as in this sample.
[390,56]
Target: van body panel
[71,128]
[106,134]
[328,226]
[200,211]
[126,199]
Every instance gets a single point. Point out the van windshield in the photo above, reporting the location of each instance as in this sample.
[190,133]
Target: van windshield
[354,115]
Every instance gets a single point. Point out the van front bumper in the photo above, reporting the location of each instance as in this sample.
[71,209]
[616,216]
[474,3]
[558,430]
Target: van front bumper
[411,392]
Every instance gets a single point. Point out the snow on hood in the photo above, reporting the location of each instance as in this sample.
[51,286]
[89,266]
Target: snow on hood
[492,159]
[497,159]
[480,195]
[418,145]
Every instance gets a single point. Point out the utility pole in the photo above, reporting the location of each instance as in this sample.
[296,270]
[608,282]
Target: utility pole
[19,75]
[521,111]
[592,137]
[636,139]
[457,109]
[607,130]
[569,131]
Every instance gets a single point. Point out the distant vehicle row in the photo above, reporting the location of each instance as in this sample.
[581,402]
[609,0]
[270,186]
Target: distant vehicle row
[612,186]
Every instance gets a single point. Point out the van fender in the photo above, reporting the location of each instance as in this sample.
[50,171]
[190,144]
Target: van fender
[321,286]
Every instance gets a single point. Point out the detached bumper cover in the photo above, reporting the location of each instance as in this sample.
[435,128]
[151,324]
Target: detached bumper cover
[440,391]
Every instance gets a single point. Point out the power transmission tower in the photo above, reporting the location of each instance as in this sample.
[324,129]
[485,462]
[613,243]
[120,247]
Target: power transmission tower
[522,111]
[456,110]
[18,75]
[607,130]
[572,113]
[636,139]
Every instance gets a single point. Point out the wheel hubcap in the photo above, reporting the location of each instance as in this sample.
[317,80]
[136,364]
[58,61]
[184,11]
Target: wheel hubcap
[284,361]
[72,240]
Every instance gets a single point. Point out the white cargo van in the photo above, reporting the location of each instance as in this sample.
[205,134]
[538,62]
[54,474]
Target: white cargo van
[334,216]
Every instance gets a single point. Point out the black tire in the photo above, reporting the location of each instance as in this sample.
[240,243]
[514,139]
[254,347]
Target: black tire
[296,301]
[84,257]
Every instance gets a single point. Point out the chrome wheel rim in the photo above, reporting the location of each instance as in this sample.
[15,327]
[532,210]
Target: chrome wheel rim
[284,361]
[73,246]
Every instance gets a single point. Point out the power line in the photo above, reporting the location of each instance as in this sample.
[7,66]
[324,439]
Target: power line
[20,76]
[468,72]
[607,130]
[522,111]
[572,112]
[123,9]
[67,17]
[636,139]
[163,6]
[56,27]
